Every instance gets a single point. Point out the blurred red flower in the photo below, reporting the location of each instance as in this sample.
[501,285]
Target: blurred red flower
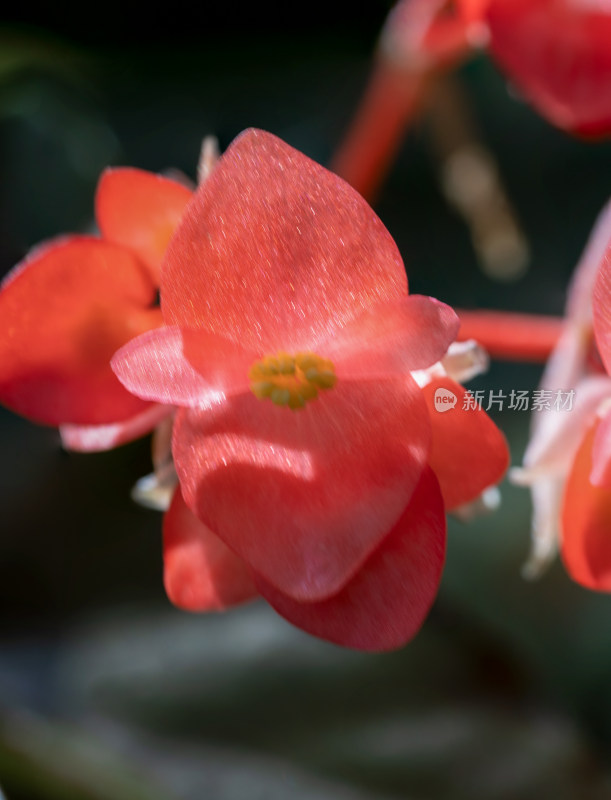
[586,513]
[566,463]
[67,308]
[556,52]
[313,468]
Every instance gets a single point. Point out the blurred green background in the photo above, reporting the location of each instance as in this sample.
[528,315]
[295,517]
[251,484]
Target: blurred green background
[108,692]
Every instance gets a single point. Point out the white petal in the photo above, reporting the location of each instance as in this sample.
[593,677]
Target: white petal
[547,502]
[488,501]
[465,360]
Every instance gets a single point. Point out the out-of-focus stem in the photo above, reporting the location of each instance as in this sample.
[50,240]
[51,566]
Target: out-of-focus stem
[472,184]
[512,336]
[418,43]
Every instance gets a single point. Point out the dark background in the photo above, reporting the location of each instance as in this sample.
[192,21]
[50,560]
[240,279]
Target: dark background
[108,692]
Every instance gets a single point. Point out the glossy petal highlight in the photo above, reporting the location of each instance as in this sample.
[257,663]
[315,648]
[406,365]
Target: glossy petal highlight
[408,334]
[304,497]
[274,251]
[183,368]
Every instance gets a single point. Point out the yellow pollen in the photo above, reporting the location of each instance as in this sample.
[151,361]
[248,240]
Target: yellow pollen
[291,380]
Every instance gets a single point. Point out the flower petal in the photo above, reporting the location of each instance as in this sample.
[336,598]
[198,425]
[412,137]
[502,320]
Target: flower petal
[602,308]
[96,438]
[468,452]
[601,450]
[274,251]
[546,493]
[586,522]
[200,571]
[558,53]
[183,368]
[404,335]
[140,210]
[63,313]
[473,10]
[557,434]
[305,496]
[581,288]
[385,603]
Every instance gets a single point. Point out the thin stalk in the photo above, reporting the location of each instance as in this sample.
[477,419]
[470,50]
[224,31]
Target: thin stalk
[418,43]
[512,336]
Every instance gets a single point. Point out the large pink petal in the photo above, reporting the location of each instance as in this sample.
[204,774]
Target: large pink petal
[140,210]
[63,313]
[305,496]
[274,251]
[183,368]
[404,335]
[200,571]
[468,452]
[385,603]
[558,54]
[96,438]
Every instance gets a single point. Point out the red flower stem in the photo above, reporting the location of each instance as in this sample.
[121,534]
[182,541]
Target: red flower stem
[406,66]
[389,105]
[511,336]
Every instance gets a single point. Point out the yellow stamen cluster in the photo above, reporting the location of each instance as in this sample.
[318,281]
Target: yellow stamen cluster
[291,380]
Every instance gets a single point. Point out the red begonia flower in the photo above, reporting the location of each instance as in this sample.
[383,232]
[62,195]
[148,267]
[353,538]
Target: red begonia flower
[301,439]
[73,302]
[558,52]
